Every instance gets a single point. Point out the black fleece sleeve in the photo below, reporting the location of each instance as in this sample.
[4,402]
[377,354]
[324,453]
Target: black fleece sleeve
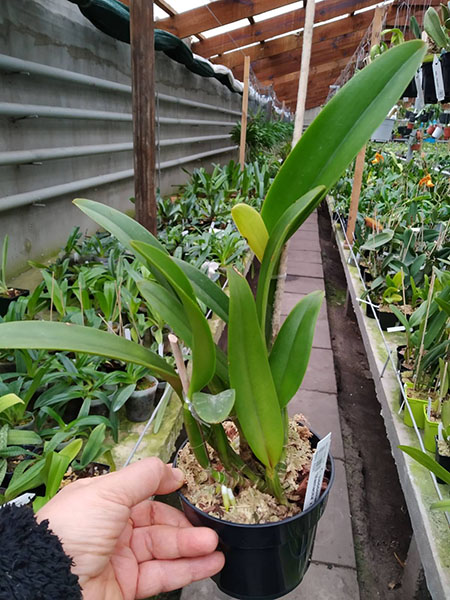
[33,565]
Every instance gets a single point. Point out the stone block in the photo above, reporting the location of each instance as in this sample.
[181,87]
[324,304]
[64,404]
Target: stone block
[320,373]
[302,285]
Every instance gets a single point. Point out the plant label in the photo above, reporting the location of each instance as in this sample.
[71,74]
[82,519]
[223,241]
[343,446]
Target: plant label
[396,328]
[318,464]
[438,78]
[420,102]
[22,500]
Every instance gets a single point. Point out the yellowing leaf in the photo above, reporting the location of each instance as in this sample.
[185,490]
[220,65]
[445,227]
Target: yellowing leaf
[252,227]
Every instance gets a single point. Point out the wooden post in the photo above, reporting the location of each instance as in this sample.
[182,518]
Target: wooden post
[304,71]
[244,112]
[143,84]
[377,24]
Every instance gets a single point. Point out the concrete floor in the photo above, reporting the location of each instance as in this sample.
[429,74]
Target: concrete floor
[332,573]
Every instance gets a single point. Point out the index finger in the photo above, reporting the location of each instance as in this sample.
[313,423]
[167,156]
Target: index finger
[139,481]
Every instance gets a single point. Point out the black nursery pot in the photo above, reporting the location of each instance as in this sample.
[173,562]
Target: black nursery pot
[445,63]
[444,461]
[411,90]
[5,301]
[401,358]
[267,561]
[386,319]
[429,89]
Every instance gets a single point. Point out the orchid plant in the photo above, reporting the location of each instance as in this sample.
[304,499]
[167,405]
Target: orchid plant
[254,383]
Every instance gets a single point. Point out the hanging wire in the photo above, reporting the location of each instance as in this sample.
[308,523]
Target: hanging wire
[358,60]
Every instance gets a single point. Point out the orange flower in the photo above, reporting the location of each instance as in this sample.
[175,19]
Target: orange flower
[426,181]
[378,158]
[373,224]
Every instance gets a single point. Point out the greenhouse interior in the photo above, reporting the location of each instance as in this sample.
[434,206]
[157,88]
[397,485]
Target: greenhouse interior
[225,300]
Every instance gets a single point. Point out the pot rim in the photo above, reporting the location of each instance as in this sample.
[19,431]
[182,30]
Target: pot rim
[320,499]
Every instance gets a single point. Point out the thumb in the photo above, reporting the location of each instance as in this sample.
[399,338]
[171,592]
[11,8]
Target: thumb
[139,481]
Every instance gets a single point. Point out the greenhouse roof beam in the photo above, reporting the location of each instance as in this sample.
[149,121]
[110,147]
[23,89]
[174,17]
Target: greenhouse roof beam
[290,21]
[268,28]
[208,16]
[331,31]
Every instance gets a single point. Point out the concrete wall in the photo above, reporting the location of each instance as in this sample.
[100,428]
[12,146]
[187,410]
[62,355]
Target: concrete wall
[55,33]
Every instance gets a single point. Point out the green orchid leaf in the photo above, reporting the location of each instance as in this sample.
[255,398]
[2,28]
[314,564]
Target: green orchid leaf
[75,338]
[168,307]
[256,405]
[292,348]
[428,462]
[23,437]
[291,220]
[121,396]
[433,27]
[120,225]
[206,290]
[203,348]
[93,447]
[165,265]
[9,400]
[441,505]
[401,317]
[343,126]
[214,408]
[377,240]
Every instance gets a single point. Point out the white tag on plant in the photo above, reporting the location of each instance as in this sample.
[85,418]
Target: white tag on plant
[438,78]
[420,102]
[395,328]
[127,333]
[318,465]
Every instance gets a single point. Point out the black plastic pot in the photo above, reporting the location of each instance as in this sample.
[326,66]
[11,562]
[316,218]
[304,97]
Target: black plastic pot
[429,89]
[403,130]
[444,461]
[425,117]
[386,318]
[445,63]
[267,561]
[5,301]
[401,358]
[444,118]
[141,404]
[411,90]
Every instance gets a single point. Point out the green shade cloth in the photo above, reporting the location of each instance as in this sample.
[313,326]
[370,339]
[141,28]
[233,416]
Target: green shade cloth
[113,18]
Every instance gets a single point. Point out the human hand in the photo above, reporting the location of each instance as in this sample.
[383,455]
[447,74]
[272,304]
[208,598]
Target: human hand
[124,546]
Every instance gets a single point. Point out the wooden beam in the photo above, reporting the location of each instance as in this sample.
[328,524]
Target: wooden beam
[166,7]
[244,113]
[278,25]
[210,15]
[361,156]
[304,71]
[143,100]
[294,41]
[293,20]
[282,64]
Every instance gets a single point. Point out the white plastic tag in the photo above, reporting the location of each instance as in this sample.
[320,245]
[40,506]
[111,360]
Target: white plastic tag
[318,464]
[127,333]
[438,78]
[420,102]
[396,328]
[429,409]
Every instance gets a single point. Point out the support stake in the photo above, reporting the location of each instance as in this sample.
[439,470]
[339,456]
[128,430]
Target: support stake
[304,71]
[244,112]
[377,24]
[143,85]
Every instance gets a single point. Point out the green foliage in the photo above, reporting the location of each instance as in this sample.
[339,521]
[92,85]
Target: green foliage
[264,136]
[255,371]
